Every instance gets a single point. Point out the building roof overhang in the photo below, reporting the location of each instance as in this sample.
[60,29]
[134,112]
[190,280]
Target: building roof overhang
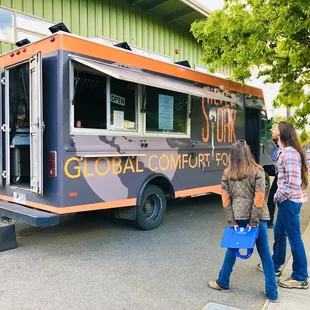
[180,12]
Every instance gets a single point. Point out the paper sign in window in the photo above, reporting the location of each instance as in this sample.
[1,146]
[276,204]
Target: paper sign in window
[118,119]
[165,112]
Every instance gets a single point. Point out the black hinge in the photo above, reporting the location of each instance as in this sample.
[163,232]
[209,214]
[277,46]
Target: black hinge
[3,81]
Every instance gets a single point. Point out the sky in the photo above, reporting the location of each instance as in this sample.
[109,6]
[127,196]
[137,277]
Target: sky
[212,4]
[270,90]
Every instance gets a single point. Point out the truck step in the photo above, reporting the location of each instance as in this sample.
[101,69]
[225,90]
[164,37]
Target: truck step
[28,215]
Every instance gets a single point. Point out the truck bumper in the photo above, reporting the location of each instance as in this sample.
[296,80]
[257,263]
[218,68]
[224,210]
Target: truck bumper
[27,215]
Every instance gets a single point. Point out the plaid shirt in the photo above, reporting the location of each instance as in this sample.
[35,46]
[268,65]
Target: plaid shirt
[289,176]
[308,158]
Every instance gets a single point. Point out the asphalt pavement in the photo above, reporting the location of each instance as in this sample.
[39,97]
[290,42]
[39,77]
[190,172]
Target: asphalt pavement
[93,261]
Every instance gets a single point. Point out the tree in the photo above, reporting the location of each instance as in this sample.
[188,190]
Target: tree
[272,35]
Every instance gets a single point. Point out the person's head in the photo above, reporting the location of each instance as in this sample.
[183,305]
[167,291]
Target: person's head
[288,137]
[275,135]
[79,124]
[242,163]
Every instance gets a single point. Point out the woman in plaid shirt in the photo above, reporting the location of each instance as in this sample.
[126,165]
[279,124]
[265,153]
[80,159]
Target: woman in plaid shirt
[292,183]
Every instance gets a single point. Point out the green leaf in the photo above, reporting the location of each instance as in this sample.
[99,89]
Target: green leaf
[271,34]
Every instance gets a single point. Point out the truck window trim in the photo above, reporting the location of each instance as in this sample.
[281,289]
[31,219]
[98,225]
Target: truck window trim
[142,79]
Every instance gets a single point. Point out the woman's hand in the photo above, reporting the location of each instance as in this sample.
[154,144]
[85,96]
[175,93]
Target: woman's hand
[249,227]
[236,227]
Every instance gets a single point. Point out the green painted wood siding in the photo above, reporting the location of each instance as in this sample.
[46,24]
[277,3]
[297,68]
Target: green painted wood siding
[114,19]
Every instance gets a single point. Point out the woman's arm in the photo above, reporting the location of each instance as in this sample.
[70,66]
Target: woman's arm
[227,203]
[259,199]
[292,175]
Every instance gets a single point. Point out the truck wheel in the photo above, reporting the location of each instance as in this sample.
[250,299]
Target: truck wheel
[152,210]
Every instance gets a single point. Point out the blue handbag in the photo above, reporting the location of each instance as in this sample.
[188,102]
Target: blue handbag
[242,238]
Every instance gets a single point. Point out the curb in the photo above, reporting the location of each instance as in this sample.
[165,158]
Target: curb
[216,306]
[286,267]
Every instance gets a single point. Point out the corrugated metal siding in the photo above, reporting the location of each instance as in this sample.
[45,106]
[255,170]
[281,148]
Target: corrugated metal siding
[114,19]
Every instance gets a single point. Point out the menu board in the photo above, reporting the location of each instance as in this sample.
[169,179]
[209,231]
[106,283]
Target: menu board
[165,112]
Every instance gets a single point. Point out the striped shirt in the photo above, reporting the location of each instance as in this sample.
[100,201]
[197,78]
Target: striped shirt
[289,176]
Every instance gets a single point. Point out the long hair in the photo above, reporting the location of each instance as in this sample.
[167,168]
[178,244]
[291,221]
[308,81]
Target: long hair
[288,137]
[242,163]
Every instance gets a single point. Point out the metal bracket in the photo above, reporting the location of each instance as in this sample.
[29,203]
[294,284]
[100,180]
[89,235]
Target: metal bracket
[3,81]
[4,175]
[5,219]
[129,213]
[3,127]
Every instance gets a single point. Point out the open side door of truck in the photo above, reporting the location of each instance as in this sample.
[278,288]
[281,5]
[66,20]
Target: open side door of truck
[2,83]
[36,125]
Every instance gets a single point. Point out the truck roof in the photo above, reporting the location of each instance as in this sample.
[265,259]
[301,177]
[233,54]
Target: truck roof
[80,45]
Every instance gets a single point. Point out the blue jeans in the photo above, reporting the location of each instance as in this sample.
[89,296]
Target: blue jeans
[288,224]
[264,253]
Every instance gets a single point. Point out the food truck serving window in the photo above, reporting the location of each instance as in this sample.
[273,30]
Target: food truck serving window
[113,95]
[89,100]
[101,102]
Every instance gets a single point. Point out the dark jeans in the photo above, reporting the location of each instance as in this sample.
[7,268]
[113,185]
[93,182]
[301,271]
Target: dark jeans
[271,204]
[288,225]
[264,253]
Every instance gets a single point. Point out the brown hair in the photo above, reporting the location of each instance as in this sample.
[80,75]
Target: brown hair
[288,137]
[242,163]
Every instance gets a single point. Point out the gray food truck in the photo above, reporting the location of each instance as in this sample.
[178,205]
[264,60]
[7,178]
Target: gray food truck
[87,126]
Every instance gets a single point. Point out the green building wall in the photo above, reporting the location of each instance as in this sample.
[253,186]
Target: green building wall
[115,19]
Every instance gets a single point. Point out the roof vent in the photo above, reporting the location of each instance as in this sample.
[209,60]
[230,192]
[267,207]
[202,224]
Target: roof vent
[59,27]
[123,45]
[183,63]
[22,42]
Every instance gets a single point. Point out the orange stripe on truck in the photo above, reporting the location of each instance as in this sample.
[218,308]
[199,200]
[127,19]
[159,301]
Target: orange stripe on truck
[80,208]
[92,49]
[111,204]
[78,45]
[199,191]
[24,53]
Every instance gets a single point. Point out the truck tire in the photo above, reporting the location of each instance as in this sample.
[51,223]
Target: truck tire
[152,210]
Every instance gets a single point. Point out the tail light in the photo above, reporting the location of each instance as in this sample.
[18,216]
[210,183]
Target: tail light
[53,163]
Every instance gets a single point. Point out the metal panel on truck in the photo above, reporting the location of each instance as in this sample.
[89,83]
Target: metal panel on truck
[2,83]
[36,125]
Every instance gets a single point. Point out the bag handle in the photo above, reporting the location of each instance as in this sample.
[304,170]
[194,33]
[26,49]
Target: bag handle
[246,256]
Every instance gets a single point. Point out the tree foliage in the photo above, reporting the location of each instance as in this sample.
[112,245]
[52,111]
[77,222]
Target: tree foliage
[273,35]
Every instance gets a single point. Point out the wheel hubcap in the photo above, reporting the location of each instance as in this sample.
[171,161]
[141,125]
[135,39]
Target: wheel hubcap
[151,207]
